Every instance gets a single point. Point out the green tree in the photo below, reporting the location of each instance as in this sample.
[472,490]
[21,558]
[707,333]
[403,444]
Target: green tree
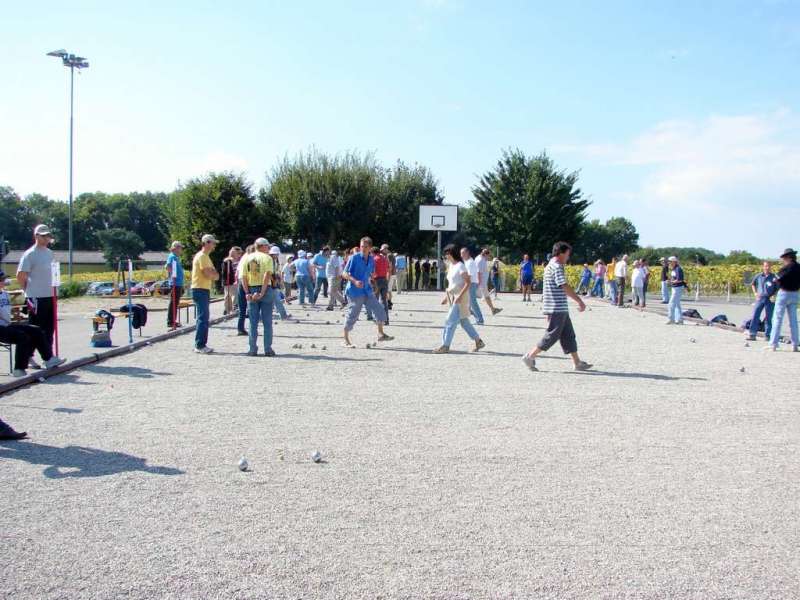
[52,212]
[741,257]
[16,223]
[615,237]
[222,204]
[118,244]
[527,204]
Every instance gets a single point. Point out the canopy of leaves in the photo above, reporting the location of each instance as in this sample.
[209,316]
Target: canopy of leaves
[119,244]
[615,237]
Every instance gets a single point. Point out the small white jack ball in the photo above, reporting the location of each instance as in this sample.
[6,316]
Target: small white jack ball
[243,464]
[316,457]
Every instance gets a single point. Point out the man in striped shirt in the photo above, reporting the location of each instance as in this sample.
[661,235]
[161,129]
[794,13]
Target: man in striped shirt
[554,299]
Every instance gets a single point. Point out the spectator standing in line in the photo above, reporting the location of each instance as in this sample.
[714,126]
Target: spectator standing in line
[496,276]
[175,275]
[392,269]
[35,276]
[555,291]
[358,272]
[417,273]
[646,269]
[621,276]
[203,276]
[637,284]
[257,282]
[457,296]
[598,289]
[320,261]
[277,285]
[764,287]
[586,277]
[526,277]
[228,278]
[8,434]
[333,271]
[287,276]
[380,277]
[401,271]
[612,281]
[242,300]
[303,278]
[26,338]
[677,283]
[482,261]
[788,281]
[426,274]
[664,280]
[472,292]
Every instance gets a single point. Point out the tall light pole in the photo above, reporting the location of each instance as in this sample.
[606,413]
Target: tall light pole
[73,62]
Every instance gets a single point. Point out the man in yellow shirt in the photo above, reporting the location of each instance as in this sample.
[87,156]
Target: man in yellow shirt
[257,281]
[203,275]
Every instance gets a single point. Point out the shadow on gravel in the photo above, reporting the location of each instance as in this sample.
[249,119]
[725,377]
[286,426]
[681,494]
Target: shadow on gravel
[512,326]
[60,409]
[307,337]
[654,376]
[77,461]
[138,372]
[69,378]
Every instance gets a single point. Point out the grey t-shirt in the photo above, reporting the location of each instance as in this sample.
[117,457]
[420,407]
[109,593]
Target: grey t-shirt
[36,263]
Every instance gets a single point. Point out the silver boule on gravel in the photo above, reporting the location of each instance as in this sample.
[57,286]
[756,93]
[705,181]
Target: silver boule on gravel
[243,464]
[741,370]
[316,457]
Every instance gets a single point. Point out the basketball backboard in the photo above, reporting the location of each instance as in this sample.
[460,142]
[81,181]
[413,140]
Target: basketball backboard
[438,217]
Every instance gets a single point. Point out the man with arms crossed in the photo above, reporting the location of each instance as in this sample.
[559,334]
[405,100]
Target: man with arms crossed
[203,274]
[257,283]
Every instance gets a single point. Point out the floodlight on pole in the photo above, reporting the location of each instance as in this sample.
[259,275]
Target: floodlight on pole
[73,62]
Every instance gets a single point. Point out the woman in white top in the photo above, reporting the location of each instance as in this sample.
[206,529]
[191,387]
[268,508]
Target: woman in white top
[638,283]
[287,274]
[457,296]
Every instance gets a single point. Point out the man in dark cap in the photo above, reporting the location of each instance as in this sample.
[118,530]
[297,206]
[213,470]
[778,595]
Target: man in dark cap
[788,281]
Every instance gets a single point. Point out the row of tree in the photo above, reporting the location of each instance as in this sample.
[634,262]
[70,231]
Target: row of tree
[522,205]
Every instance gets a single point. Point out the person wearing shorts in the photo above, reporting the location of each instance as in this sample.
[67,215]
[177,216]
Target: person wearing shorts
[526,277]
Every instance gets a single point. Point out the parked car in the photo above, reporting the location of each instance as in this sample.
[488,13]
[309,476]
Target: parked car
[164,287]
[144,287]
[104,289]
[95,286]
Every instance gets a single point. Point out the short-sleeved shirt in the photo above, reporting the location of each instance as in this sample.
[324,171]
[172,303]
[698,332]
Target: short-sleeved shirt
[586,274]
[426,266]
[334,267]
[381,266]
[676,277]
[526,269]
[764,284]
[320,261]
[483,267]
[361,269]
[456,277]
[5,309]
[472,269]
[400,262]
[554,298]
[256,266]
[174,267]
[301,267]
[288,272]
[201,261]
[37,263]
[621,269]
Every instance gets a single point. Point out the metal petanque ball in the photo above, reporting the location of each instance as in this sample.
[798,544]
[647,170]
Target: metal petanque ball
[243,464]
[741,370]
[316,457]
[694,341]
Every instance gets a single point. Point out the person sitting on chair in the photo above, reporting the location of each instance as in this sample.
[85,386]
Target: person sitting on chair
[26,338]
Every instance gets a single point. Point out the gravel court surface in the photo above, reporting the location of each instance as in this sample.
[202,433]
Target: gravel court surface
[666,473]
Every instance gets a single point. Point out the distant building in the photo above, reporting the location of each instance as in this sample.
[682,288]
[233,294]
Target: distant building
[85,261]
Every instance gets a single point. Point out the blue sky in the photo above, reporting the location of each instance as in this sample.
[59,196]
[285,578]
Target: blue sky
[682,116]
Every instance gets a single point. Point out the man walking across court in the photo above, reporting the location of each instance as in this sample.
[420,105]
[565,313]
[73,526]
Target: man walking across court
[258,270]
[35,276]
[555,291]
[203,276]
[472,271]
[333,271]
[482,263]
[358,272]
[174,270]
[319,262]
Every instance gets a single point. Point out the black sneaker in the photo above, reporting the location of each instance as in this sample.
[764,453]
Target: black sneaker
[7,433]
[241,333]
[269,353]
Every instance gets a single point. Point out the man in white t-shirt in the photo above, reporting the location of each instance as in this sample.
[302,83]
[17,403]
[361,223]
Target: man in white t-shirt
[333,271]
[621,275]
[472,269]
[482,262]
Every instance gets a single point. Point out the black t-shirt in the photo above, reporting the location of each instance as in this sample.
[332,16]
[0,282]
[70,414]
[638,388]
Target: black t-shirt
[426,266]
[789,277]
[664,273]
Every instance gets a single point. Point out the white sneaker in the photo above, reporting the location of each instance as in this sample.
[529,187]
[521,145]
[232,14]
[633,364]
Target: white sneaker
[530,362]
[203,350]
[670,322]
[19,373]
[770,348]
[33,364]
[54,362]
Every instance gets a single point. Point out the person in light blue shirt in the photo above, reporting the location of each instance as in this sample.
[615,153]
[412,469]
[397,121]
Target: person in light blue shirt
[764,288]
[174,270]
[358,273]
[304,277]
[320,262]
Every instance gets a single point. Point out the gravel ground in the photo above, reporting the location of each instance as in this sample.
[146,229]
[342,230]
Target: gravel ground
[665,473]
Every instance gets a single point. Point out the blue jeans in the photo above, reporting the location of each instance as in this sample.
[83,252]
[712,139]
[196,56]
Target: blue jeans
[598,289]
[612,291]
[473,303]
[278,303]
[762,304]
[665,292]
[242,302]
[453,320]
[321,281]
[583,286]
[496,284]
[786,301]
[304,286]
[202,301]
[675,310]
[261,311]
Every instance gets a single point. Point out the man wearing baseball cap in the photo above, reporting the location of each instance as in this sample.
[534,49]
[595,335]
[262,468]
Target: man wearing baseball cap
[788,281]
[203,275]
[174,270]
[35,276]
